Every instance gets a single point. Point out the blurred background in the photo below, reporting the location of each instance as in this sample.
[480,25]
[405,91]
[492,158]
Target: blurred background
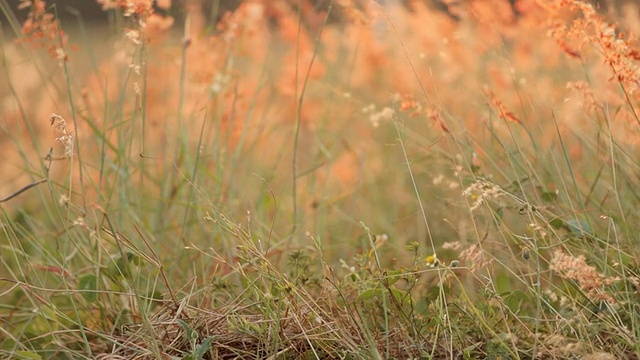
[92,10]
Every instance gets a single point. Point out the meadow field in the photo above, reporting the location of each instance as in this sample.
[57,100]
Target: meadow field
[303,179]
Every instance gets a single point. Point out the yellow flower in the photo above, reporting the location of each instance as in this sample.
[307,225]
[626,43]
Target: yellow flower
[432,260]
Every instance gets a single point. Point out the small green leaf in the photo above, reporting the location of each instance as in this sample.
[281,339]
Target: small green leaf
[502,283]
[188,331]
[557,223]
[89,284]
[549,196]
[369,294]
[517,184]
[28,355]
[393,276]
[203,348]
[134,259]
[44,322]
[514,300]
[579,227]
[119,268]
[401,295]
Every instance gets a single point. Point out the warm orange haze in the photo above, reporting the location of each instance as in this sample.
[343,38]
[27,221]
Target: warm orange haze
[320,179]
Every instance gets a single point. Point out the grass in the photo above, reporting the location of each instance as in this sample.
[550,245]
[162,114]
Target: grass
[363,182]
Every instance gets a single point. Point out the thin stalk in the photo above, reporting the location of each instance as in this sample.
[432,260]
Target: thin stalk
[299,93]
[185,229]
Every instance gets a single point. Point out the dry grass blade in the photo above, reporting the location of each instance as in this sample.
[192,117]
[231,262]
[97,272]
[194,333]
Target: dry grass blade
[23,189]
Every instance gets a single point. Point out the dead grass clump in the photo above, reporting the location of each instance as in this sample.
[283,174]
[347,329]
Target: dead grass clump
[588,278]
[229,333]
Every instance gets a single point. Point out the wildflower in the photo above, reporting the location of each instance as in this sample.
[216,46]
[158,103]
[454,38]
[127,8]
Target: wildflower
[438,179]
[164,4]
[80,222]
[107,4]
[452,245]
[133,36]
[63,201]
[368,109]
[156,25]
[500,107]
[219,82]
[537,228]
[42,29]
[432,261]
[60,125]
[138,7]
[380,240]
[480,191]
[576,268]
[591,29]
[24,4]
[409,103]
[412,246]
[385,114]
[475,256]
[434,114]
[589,101]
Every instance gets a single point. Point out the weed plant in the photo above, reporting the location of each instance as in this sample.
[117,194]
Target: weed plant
[364,181]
